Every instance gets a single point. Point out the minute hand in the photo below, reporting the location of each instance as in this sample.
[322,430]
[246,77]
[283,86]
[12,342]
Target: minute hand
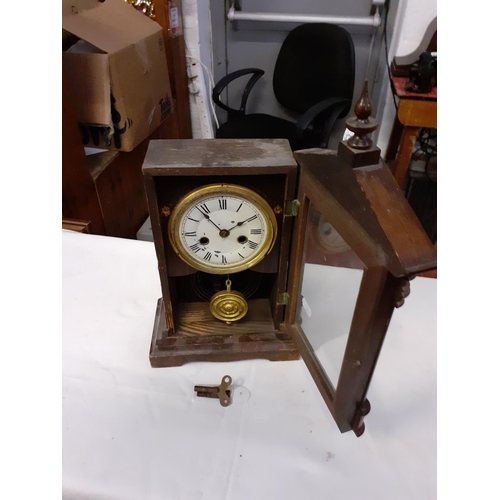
[208,218]
[243,222]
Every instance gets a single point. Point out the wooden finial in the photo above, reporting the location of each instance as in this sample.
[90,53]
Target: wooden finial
[362,124]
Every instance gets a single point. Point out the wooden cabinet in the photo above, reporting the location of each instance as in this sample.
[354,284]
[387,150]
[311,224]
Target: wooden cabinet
[105,191]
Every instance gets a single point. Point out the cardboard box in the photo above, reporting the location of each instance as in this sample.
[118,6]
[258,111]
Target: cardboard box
[117,74]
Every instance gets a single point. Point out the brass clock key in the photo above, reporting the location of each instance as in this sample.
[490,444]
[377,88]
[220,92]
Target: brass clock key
[219,391]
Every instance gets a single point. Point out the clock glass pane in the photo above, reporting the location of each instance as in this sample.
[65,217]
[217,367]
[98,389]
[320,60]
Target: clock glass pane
[330,287]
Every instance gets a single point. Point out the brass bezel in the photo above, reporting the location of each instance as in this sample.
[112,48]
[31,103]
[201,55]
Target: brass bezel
[222,190]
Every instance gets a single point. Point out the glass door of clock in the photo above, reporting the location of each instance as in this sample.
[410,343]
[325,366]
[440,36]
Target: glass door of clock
[355,243]
[330,285]
[342,294]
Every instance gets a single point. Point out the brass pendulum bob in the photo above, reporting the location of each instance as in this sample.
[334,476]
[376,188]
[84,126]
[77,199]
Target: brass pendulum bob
[228,305]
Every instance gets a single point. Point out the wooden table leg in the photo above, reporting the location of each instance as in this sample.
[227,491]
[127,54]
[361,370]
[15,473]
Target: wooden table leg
[404,154]
[394,140]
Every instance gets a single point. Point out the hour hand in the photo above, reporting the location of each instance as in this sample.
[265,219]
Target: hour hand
[243,222]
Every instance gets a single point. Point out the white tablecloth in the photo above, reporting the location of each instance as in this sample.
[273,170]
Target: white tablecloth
[138,433]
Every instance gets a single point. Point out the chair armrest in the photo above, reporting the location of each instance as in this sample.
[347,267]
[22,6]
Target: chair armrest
[339,106]
[224,82]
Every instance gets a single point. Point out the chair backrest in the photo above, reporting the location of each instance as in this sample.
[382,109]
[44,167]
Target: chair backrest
[316,61]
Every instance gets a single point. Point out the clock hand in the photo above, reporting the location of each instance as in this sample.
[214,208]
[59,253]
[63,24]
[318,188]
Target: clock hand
[243,222]
[208,218]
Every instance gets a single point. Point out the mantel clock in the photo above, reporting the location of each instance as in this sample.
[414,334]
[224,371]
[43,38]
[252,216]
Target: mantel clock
[257,246]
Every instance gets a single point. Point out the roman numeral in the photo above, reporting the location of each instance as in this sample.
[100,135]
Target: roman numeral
[251,218]
[194,220]
[195,248]
[205,208]
[241,255]
[255,231]
[223,204]
[238,209]
[252,244]
[191,233]
[224,260]
[208,256]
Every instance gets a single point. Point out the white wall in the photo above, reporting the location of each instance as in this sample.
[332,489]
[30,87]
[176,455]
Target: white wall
[410,24]
[418,15]
[197,35]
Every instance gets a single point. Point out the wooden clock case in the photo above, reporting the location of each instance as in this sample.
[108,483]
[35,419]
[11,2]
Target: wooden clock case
[184,328]
[354,191]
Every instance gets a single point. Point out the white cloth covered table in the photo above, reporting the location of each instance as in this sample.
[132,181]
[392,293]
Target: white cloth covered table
[137,433]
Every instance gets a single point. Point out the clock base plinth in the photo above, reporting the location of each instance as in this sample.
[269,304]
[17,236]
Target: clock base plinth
[209,339]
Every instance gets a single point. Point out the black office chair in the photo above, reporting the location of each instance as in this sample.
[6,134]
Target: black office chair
[313,76]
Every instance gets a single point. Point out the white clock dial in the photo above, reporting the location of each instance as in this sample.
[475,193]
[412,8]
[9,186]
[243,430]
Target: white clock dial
[222,228]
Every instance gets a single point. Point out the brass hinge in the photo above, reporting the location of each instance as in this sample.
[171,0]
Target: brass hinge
[292,208]
[282,299]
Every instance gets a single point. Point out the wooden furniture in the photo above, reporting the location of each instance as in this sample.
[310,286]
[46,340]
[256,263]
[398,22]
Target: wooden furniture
[185,330]
[107,189]
[355,193]
[80,226]
[178,125]
[415,111]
